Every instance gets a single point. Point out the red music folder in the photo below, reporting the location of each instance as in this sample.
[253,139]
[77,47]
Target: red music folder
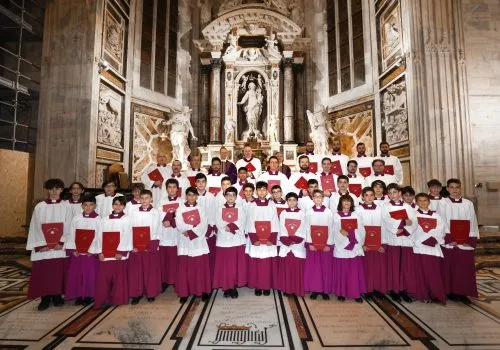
[250,167]
[214,190]
[427,224]
[336,168]
[292,225]
[242,193]
[263,230]
[110,242]
[460,230]
[230,214]
[155,175]
[141,237]
[373,237]
[356,189]
[399,214]
[319,236]
[83,240]
[279,210]
[52,232]
[328,183]
[349,224]
[192,181]
[179,192]
[389,170]
[271,183]
[301,183]
[365,172]
[192,217]
[313,167]
[170,207]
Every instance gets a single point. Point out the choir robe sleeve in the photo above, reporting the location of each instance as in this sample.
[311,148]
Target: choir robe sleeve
[69,243]
[148,183]
[126,240]
[413,218]
[36,239]
[68,217]
[360,231]
[474,228]
[388,222]
[398,171]
[339,239]
[193,232]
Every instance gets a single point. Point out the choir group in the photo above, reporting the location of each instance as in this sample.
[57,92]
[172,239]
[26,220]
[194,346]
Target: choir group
[347,229]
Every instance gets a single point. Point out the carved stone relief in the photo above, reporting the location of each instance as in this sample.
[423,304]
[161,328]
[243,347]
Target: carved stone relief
[109,118]
[394,113]
[390,35]
[114,43]
[100,170]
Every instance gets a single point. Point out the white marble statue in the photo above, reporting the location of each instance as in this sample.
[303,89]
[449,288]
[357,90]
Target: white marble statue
[272,130]
[272,43]
[320,130]
[229,128]
[253,101]
[179,132]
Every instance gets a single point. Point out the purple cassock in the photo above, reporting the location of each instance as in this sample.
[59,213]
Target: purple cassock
[375,268]
[144,272]
[81,278]
[112,283]
[291,274]
[348,277]
[459,269]
[430,279]
[193,275]
[230,268]
[318,270]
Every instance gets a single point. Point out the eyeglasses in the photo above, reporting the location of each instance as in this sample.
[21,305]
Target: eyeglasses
[276,191]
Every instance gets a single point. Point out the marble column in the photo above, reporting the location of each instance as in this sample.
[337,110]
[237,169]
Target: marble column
[288,104]
[440,137]
[204,107]
[215,103]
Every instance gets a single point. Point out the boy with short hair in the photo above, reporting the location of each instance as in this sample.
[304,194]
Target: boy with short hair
[135,202]
[435,187]
[459,267]
[306,202]
[262,228]
[83,266]
[409,196]
[342,189]
[144,267]
[48,230]
[169,234]
[104,201]
[76,190]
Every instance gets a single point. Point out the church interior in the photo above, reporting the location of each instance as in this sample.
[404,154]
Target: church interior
[95,90]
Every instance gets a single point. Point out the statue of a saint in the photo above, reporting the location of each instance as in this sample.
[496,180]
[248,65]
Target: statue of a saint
[253,101]
[179,132]
[273,128]
[320,130]
[229,128]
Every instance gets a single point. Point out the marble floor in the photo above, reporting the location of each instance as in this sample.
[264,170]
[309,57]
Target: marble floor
[249,322]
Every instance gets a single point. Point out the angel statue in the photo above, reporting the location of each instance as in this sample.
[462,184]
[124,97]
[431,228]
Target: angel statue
[320,130]
[253,103]
[179,132]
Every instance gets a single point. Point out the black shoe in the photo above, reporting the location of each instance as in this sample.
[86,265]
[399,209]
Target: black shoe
[135,300]
[452,296]
[227,293]
[325,296]
[182,300]
[342,299]
[57,300]
[233,293]
[164,287]
[78,301]
[205,297]
[87,301]
[258,292]
[44,303]
[150,300]
[394,296]
[313,296]
[404,295]
[464,299]
[267,292]
[358,300]
[369,296]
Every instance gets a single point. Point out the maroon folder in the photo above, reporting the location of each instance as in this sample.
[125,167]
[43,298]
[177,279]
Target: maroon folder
[263,230]
[399,214]
[373,237]
[155,175]
[292,225]
[336,168]
[349,224]
[170,207]
[301,183]
[83,240]
[356,189]
[110,242]
[460,230]
[328,183]
[389,170]
[250,167]
[179,192]
[313,167]
[272,183]
[365,172]
[427,224]
[214,190]
[52,232]
[141,237]
[192,217]
[230,214]
[192,181]
[319,236]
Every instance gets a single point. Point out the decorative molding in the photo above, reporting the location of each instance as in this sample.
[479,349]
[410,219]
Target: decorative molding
[108,155]
[392,75]
[394,113]
[110,117]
